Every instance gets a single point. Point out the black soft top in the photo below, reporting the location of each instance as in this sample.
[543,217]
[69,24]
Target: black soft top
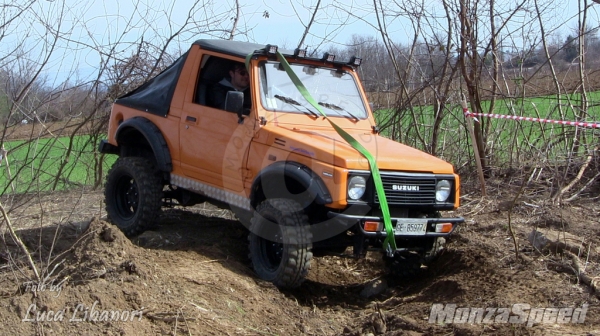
[155,95]
[233,48]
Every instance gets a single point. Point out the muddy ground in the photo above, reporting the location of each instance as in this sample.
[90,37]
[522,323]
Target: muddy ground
[192,276]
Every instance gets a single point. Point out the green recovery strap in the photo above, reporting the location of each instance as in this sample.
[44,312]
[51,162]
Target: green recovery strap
[390,241]
[247,62]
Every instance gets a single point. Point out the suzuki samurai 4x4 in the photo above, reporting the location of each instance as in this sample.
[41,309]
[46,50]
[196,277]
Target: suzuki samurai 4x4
[297,156]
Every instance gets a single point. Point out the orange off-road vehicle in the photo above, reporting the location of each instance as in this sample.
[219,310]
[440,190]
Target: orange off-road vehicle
[278,163]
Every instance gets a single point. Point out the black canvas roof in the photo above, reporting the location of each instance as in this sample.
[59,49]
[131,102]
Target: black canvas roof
[155,95]
[234,48]
[242,49]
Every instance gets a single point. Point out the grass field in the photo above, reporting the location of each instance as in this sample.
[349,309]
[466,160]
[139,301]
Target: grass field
[507,140]
[62,163]
[51,164]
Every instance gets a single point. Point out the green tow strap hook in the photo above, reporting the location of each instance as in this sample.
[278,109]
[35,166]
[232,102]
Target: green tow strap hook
[389,243]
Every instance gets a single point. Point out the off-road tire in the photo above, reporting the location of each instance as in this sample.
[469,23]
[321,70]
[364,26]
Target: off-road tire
[435,251]
[133,195]
[280,242]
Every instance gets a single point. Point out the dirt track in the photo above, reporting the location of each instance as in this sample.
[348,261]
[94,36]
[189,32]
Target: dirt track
[191,276]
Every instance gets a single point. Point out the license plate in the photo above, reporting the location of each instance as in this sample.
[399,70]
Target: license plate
[411,226]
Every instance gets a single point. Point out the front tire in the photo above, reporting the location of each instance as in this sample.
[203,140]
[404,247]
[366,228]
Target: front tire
[133,195]
[280,242]
[436,249]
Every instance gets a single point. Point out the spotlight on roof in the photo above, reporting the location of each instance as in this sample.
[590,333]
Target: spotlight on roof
[328,57]
[271,49]
[300,53]
[355,61]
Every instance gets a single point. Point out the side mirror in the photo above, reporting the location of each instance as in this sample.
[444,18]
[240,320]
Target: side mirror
[234,102]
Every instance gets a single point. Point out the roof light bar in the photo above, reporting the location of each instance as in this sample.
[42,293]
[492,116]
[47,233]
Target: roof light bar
[328,57]
[301,53]
[271,49]
[356,61]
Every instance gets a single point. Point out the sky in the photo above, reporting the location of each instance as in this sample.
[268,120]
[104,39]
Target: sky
[88,28]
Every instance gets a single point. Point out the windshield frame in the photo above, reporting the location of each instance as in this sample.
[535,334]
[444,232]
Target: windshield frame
[329,86]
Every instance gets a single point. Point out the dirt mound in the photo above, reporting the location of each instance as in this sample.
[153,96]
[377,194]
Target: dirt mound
[103,251]
[150,291]
[90,288]
[192,276]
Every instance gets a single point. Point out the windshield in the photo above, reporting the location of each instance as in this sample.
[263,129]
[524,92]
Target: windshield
[334,90]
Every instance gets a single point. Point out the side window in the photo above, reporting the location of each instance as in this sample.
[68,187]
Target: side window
[212,70]
[219,76]
[200,95]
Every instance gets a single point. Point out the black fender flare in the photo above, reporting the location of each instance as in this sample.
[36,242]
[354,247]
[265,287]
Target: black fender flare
[310,181]
[153,136]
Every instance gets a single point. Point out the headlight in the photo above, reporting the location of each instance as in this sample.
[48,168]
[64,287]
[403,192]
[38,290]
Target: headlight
[356,187]
[443,190]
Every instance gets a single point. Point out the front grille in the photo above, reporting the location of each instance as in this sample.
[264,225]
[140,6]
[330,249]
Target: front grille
[408,189]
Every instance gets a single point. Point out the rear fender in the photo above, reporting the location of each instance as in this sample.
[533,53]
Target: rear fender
[128,134]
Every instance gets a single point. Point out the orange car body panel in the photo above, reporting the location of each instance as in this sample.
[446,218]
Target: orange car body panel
[231,155]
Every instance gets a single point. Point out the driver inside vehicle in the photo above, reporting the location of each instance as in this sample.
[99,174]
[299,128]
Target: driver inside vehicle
[238,80]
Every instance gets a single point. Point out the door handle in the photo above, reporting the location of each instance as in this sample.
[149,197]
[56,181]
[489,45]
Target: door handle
[192,119]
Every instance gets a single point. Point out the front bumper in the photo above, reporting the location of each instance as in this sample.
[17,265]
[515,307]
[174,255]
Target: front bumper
[431,223]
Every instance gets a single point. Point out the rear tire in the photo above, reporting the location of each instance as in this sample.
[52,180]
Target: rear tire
[280,242]
[133,195]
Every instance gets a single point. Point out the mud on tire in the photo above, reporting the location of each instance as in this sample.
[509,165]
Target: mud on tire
[280,242]
[133,195]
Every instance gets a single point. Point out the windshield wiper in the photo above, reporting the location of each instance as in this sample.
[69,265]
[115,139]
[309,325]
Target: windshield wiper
[288,100]
[291,101]
[338,108]
[331,106]
[311,112]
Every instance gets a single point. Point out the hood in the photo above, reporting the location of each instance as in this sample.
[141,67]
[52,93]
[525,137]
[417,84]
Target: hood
[327,146]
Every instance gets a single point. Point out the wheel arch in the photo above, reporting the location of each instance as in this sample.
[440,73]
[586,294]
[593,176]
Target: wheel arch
[139,136]
[300,183]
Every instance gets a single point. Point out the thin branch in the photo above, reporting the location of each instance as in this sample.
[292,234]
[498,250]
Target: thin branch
[309,25]
[235,20]
[19,242]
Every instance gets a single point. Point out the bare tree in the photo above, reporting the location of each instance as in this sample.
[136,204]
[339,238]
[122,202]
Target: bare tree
[321,23]
[66,110]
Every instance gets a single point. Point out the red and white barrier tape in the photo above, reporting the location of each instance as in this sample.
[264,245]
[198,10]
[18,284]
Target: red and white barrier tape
[503,116]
